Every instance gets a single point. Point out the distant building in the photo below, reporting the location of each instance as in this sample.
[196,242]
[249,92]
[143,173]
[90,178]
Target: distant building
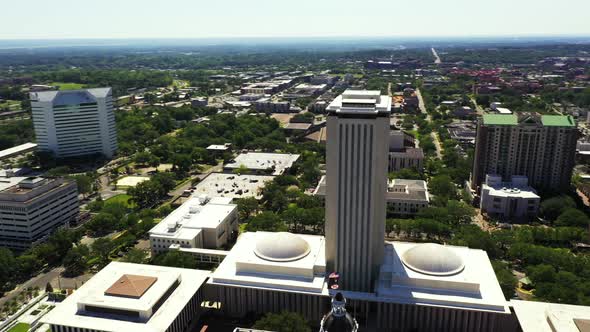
[509,200]
[540,147]
[463,112]
[403,152]
[18,150]
[263,163]
[199,222]
[75,122]
[407,197]
[31,208]
[219,149]
[266,105]
[323,79]
[463,131]
[132,297]
[199,102]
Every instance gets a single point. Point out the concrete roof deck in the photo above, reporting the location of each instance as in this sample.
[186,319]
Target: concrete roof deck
[92,293]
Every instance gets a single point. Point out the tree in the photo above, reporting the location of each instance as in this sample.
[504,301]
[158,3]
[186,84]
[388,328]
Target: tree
[175,259]
[551,208]
[48,288]
[181,163]
[505,278]
[541,273]
[75,261]
[135,255]
[247,206]
[283,322]
[7,267]
[242,169]
[266,221]
[572,217]
[407,173]
[100,224]
[85,184]
[145,194]
[441,185]
[101,248]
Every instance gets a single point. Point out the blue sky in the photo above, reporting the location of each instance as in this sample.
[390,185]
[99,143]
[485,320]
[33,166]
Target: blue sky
[295,18]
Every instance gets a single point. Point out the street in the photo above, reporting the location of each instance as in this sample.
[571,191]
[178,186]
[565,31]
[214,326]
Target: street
[40,281]
[436,57]
[434,135]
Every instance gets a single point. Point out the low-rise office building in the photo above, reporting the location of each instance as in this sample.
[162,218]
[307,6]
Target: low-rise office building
[31,208]
[199,222]
[514,199]
[407,197]
[132,297]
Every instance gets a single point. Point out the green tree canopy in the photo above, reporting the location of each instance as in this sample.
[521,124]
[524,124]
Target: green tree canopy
[283,322]
[266,221]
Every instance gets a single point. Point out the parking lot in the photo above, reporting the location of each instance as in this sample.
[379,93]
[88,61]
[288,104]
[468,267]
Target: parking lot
[232,185]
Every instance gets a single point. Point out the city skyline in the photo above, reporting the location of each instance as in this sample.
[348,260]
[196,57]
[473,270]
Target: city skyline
[185,19]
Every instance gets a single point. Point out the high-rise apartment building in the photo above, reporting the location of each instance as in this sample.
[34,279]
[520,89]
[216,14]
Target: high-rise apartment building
[540,147]
[76,122]
[356,177]
[33,207]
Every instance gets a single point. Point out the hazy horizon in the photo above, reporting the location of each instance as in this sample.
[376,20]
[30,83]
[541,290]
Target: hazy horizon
[190,19]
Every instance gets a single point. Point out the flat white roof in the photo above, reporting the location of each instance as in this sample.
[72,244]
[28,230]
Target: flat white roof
[506,190]
[263,161]
[92,292]
[228,185]
[17,149]
[382,103]
[474,287]
[218,147]
[191,217]
[242,267]
[536,316]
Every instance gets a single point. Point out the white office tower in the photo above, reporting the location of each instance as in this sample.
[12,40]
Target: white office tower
[76,122]
[356,183]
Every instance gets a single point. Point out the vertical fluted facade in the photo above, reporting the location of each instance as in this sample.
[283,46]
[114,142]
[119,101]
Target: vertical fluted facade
[356,181]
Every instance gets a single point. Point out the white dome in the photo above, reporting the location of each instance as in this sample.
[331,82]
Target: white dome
[433,259]
[282,247]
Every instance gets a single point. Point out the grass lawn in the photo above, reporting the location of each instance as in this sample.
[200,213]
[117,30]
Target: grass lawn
[20,327]
[122,198]
[68,86]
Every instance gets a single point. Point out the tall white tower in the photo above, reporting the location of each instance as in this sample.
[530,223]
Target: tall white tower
[356,185]
[75,122]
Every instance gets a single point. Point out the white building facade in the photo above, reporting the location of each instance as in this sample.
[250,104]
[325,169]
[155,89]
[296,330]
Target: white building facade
[31,208]
[514,199]
[407,197]
[200,222]
[76,122]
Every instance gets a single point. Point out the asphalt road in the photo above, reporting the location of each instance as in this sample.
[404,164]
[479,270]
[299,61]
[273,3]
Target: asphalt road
[436,57]
[40,281]
[434,135]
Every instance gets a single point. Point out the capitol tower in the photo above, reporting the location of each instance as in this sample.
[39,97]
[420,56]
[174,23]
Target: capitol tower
[356,180]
